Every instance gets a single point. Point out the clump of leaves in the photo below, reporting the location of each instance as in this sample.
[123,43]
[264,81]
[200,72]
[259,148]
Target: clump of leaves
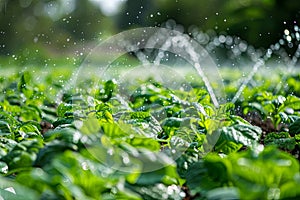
[245,175]
[282,140]
[278,108]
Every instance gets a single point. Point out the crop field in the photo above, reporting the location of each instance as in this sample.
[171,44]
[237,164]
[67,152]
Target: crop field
[149,100]
[97,140]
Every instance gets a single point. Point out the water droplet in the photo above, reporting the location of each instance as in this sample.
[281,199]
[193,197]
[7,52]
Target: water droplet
[126,160]
[84,166]
[229,40]
[110,151]
[286,32]
[297,35]
[35,39]
[269,51]
[281,42]
[10,189]
[243,46]
[222,38]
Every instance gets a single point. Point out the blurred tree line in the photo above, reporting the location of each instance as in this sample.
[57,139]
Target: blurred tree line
[55,25]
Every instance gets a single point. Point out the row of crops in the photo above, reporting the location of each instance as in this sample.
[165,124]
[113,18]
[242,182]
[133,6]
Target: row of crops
[92,143]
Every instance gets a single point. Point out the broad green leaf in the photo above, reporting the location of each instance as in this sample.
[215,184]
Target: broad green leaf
[23,85]
[207,174]
[4,127]
[143,142]
[159,191]
[109,88]
[233,137]
[23,154]
[223,193]
[64,110]
[172,122]
[255,106]
[114,130]
[90,126]
[52,150]
[294,128]
[67,135]
[257,174]
[292,102]
[8,118]
[6,145]
[63,121]
[14,191]
[157,168]
[290,190]
[30,113]
[30,126]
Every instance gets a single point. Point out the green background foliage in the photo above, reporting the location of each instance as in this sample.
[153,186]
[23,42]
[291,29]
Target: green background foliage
[57,26]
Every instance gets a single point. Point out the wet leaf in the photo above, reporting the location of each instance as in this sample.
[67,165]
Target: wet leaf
[294,128]
[232,138]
